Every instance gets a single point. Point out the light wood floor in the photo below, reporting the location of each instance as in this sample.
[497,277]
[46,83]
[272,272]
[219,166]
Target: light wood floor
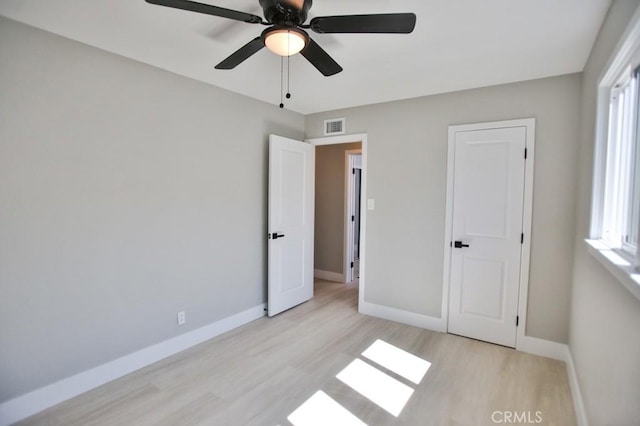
[260,373]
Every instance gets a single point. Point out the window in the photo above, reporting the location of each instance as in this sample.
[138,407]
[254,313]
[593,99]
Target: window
[620,210]
[615,219]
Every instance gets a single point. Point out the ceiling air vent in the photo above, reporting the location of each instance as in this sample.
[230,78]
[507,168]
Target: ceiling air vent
[334,126]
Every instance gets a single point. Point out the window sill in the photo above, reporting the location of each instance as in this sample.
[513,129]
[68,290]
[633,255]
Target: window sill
[617,265]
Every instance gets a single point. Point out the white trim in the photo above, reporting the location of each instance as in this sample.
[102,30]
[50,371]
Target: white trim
[363,139]
[529,124]
[527,221]
[328,275]
[38,400]
[599,162]
[541,347]
[576,394]
[448,229]
[618,266]
[333,140]
[404,317]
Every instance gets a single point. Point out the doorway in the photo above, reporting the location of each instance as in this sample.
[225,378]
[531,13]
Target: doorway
[336,224]
[342,269]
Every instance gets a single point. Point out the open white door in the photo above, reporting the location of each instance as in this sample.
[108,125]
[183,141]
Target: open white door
[291,202]
[487,233]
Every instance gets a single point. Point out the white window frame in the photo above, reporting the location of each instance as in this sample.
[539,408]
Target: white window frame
[610,249]
[620,158]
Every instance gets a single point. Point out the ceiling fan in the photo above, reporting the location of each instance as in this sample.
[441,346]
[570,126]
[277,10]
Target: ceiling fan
[286,33]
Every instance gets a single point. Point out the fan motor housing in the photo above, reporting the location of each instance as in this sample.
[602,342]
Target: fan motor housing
[282,12]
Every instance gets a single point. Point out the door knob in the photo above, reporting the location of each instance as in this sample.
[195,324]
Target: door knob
[275,236]
[458,244]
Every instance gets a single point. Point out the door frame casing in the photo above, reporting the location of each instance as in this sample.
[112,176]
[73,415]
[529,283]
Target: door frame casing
[362,138]
[529,124]
[349,210]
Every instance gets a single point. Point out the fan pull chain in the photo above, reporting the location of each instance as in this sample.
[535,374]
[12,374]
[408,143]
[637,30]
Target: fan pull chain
[288,67]
[288,77]
[281,80]
[288,95]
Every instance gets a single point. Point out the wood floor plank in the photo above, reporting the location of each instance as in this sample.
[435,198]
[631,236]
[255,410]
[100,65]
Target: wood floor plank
[262,372]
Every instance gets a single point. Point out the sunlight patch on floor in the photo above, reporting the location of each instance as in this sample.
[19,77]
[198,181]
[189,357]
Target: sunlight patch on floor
[385,391]
[397,360]
[322,410]
[380,388]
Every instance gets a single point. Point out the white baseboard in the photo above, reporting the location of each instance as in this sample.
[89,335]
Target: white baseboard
[328,275]
[541,347]
[560,352]
[38,400]
[578,402]
[404,317]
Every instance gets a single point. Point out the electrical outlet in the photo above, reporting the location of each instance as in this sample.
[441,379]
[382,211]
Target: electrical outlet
[182,318]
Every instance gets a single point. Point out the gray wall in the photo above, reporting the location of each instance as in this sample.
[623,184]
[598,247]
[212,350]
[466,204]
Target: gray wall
[407,158]
[605,341]
[127,194]
[330,198]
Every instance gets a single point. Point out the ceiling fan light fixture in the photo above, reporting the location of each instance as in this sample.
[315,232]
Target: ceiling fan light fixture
[285,41]
[285,35]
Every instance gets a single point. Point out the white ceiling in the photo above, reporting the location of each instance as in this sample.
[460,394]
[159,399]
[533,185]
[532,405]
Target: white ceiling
[457,44]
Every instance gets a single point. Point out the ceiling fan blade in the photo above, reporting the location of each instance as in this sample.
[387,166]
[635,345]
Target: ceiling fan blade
[320,59]
[192,6]
[241,54]
[390,23]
